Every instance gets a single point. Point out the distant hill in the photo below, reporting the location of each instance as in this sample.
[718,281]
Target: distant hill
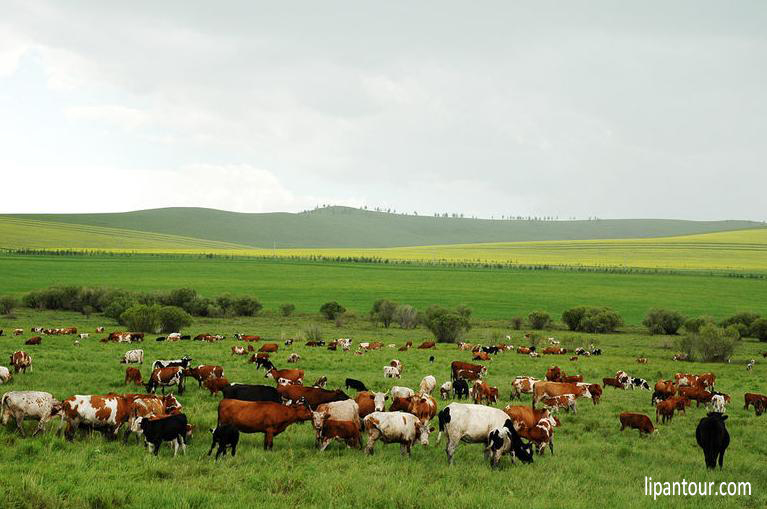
[337,227]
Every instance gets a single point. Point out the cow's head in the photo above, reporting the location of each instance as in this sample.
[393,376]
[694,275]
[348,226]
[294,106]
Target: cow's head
[318,419]
[379,400]
[269,373]
[422,432]
[524,451]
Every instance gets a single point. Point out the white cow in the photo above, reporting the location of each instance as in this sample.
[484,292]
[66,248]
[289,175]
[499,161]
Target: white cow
[445,389]
[29,404]
[84,335]
[133,356]
[293,358]
[5,375]
[468,423]
[174,336]
[401,392]
[391,372]
[428,383]
[346,410]
[396,427]
[718,403]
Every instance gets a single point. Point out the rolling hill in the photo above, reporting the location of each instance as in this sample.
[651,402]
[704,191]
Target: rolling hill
[344,227]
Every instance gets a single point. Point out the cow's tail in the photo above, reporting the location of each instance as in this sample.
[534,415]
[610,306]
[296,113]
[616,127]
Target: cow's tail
[444,418]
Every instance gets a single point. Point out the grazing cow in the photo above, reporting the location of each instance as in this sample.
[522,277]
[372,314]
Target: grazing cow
[696,394]
[522,385]
[596,393]
[133,357]
[224,436]
[685,379]
[262,361]
[480,356]
[505,440]
[525,350]
[242,337]
[293,358]
[575,358]
[369,402]
[34,341]
[666,387]
[21,361]
[636,421]
[396,427]
[759,407]
[551,389]
[542,434]
[247,392]
[168,428]
[641,383]
[29,404]
[166,377]
[554,374]
[713,438]
[428,384]
[468,423]
[339,412]
[105,411]
[18,332]
[426,345]
[530,417]
[239,350]
[472,371]
[445,390]
[612,382]
[293,375]
[406,346]
[204,372]
[642,360]
[750,365]
[718,403]
[133,375]
[401,392]
[182,362]
[84,335]
[572,379]
[658,396]
[666,409]
[396,363]
[216,385]
[566,401]
[311,395]
[460,389]
[261,417]
[355,384]
[555,350]
[269,347]
[5,375]
[752,398]
[481,391]
[390,372]
[421,405]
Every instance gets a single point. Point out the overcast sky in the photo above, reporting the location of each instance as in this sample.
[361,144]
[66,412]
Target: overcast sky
[613,109]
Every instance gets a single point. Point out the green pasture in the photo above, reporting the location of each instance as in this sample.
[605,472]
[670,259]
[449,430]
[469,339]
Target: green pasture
[595,465]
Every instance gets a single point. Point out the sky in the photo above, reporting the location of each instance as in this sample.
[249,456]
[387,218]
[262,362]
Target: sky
[569,109]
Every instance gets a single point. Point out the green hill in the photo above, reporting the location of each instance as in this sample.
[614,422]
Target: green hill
[349,227]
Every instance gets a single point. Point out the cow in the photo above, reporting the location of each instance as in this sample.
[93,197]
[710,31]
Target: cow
[168,428]
[481,391]
[396,427]
[29,404]
[262,361]
[640,382]
[530,417]
[133,375]
[293,358]
[751,398]
[554,350]
[401,392]
[406,346]
[426,345]
[542,434]
[204,372]
[369,402]
[265,417]
[346,411]
[99,329]
[269,347]
[216,385]
[106,411]
[697,394]
[224,436]
[468,423]
[183,363]
[612,382]
[396,363]
[505,440]
[422,406]
[427,385]
[311,395]
[390,372]
[551,389]
[525,350]
[718,403]
[5,375]
[445,390]
[750,365]
[21,361]
[712,436]
[293,375]
[18,332]
[242,337]
[480,356]
[133,357]
[456,367]
[166,377]
[566,401]
[572,379]
[321,382]
[522,385]
[37,340]
[642,360]
[355,384]
[239,350]
[247,392]
[596,393]
[636,421]
[345,431]
[554,374]
[666,387]
[460,389]
[665,409]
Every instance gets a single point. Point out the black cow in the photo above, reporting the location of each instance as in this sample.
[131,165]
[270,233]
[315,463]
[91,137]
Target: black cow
[355,384]
[185,337]
[263,362]
[460,389]
[247,392]
[431,358]
[165,429]
[658,396]
[517,448]
[641,383]
[161,338]
[224,436]
[491,349]
[713,438]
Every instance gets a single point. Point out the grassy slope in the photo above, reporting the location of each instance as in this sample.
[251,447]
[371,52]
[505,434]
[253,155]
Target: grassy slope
[595,465]
[498,294]
[29,233]
[347,227]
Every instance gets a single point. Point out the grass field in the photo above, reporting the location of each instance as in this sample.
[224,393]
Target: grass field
[595,464]
[493,294]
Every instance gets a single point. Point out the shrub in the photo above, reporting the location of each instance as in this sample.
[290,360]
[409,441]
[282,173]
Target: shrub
[117,308]
[464,311]
[7,303]
[406,316]
[711,344]
[87,310]
[287,309]
[246,306]
[517,322]
[539,320]
[142,318]
[759,329]
[446,325]
[312,332]
[180,297]
[592,319]
[738,330]
[693,325]
[173,319]
[330,309]
[744,317]
[662,321]
[383,311]
[573,316]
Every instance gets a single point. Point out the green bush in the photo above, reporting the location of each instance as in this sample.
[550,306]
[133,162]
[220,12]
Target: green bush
[287,309]
[738,329]
[759,329]
[7,303]
[173,319]
[573,316]
[464,311]
[663,321]
[711,344]
[744,317]
[517,322]
[446,325]
[693,325]
[406,316]
[331,309]
[246,306]
[592,319]
[383,312]
[539,320]
[180,297]
[142,318]
[312,332]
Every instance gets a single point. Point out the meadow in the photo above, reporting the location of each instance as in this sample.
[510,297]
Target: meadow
[595,465]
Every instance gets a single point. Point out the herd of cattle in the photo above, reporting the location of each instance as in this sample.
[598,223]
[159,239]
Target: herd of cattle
[516,430]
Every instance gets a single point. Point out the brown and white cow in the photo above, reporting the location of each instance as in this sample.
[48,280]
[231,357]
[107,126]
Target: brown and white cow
[37,340]
[370,402]
[166,377]
[204,372]
[29,404]
[396,427]
[293,375]
[522,385]
[133,375]
[106,411]
[21,361]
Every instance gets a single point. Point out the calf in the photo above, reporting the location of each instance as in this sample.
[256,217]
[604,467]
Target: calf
[445,389]
[566,401]
[752,398]
[225,436]
[133,357]
[5,375]
[390,372]
[29,404]
[133,375]
[505,440]
[460,389]
[293,358]
[642,360]
[239,350]
[20,361]
[665,409]
[171,428]
[636,421]
[396,427]
[215,385]
[427,385]
[640,383]
[541,434]
[713,438]
[346,431]
[34,341]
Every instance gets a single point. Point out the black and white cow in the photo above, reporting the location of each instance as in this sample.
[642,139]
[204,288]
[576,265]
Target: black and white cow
[171,428]
[505,440]
[713,438]
[182,362]
[468,423]
[225,436]
[640,383]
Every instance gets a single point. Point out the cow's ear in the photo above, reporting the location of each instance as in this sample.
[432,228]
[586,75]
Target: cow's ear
[724,417]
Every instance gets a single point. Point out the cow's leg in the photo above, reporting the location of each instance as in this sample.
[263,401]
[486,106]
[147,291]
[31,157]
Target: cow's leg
[721,459]
[268,439]
[20,422]
[452,445]
[324,444]
[372,437]
[551,445]
[40,426]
